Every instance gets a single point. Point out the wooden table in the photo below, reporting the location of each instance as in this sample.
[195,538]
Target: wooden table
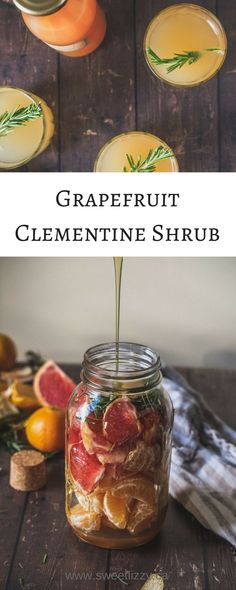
[187,556]
[112,90]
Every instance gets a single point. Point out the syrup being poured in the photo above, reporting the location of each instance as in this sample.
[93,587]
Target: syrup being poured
[118,263]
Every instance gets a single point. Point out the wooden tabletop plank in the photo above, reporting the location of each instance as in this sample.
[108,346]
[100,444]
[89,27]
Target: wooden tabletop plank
[97,92]
[28,63]
[227,90]
[186,118]
[12,508]
[176,554]
[49,554]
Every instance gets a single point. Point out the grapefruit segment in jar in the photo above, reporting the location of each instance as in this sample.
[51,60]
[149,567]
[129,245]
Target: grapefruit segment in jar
[141,518]
[120,421]
[151,426]
[137,487]
[85,469]
[52,386]
[81,519]
[115,510]
[92,436]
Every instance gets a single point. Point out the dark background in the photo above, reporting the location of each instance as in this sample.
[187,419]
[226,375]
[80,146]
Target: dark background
[112,90]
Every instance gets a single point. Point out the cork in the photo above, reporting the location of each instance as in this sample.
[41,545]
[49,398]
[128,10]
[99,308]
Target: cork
[27,471]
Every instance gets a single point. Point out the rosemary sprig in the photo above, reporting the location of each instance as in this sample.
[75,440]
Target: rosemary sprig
[10,120]
[149,163]
[141,402]
[45,558]
[179,59]
[34,359]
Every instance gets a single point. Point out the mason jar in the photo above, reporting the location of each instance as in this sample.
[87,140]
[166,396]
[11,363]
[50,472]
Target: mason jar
[118,446]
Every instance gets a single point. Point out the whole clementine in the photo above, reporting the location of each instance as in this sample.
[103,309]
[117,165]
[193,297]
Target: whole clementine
[45,430]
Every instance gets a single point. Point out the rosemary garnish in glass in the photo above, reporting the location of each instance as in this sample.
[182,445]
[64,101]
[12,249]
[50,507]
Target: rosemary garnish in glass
[179,59]
[149,163]
[10,120]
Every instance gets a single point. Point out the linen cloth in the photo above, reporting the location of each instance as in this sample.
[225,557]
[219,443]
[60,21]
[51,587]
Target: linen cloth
[203,466]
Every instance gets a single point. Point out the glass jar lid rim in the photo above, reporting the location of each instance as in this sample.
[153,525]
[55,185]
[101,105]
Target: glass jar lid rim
[39,7]
[102,358]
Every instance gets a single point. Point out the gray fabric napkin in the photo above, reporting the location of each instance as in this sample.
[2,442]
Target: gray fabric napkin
[203,467]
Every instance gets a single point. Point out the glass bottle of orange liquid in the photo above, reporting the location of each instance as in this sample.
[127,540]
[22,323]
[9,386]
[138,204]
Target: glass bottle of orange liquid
[72,27]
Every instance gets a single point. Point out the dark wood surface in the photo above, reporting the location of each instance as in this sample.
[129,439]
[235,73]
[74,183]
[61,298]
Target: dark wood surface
[111,91]
[188,556]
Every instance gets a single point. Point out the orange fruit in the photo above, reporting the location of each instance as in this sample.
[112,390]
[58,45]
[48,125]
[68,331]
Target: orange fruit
[141,518]
[8,353]
[116,510]
[137,487]
[45,430]
[87,521]
[22,396]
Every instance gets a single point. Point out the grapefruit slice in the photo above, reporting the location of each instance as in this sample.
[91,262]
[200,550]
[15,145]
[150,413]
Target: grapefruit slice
[120,421]
[151,426]
[52,386]
[85,469]
[92,436]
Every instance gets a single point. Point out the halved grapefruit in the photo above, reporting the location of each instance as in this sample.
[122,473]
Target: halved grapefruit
[52,386]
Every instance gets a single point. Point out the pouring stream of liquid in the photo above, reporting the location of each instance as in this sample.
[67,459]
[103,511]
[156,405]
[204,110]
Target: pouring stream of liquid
[118,263]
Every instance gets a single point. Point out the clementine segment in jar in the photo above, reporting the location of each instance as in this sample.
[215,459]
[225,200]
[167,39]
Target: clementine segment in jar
[138,487]
[141,518]
[142,458]
[87,521]
[91,503]
[116,510]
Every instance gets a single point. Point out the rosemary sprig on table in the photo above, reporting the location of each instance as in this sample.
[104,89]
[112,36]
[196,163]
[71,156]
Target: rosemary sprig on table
[149,163]
[10,120]
[12,433]
[179,59]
